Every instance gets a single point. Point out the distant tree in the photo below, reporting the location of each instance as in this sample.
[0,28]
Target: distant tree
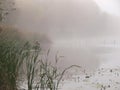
[6,7]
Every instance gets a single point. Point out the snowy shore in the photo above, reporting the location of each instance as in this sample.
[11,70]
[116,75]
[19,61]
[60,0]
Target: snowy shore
[102,79]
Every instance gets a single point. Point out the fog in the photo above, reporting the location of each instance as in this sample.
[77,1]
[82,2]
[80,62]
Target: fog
[80,30]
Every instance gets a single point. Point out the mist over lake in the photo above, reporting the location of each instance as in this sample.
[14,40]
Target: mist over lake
[79,29]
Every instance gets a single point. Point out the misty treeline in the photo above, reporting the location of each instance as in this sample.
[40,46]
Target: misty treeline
[6,7]
[21,59]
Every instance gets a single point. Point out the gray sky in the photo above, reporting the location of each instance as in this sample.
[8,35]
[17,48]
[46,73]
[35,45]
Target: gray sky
[71,24]
[82,18]
[109,6]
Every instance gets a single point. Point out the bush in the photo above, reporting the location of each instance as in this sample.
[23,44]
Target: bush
[11,57]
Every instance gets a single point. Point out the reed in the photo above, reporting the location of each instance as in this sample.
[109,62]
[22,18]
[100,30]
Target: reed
[50,74]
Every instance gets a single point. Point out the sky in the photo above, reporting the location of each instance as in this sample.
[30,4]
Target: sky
[109,6]
[77,28]
[58,16]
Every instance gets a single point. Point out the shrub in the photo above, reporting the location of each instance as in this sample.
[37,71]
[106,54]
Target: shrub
[11,57]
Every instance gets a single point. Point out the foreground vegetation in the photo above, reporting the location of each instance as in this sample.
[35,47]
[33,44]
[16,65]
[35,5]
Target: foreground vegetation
[11,57]
[18,55]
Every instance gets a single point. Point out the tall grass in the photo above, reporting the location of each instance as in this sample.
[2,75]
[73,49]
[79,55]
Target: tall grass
[11,58]
[41,73]
[31,61]
[50,74]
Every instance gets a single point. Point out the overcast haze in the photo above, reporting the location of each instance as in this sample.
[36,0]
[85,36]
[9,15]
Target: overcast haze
[78,29]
